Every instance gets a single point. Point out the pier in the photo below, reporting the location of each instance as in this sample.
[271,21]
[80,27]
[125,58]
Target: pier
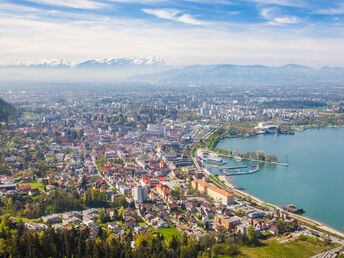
[255,160]
[221,167]
[243,173]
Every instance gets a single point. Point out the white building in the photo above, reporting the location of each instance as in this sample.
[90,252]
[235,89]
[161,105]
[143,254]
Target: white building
[140,194]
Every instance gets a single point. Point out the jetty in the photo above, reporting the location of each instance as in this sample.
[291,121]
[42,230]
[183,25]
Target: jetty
[222,167]
[255,160]
[243,173]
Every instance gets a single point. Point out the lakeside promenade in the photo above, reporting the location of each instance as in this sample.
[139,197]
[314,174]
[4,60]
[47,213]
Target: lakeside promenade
[303,219]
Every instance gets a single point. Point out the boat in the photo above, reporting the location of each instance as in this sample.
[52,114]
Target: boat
[237,158]
[214,158]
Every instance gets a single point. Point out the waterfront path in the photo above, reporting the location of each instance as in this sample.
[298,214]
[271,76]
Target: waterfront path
[328,254]
[303,219]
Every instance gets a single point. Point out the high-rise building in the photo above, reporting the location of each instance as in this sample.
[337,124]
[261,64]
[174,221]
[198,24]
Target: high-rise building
[139,194]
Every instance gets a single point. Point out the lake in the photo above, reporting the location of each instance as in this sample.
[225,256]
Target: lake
[314,179]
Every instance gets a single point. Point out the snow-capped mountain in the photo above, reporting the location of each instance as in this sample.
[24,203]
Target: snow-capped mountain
[49,63]
[109,62]
[92,63]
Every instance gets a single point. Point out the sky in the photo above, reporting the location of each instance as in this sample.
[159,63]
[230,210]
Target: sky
[268,32]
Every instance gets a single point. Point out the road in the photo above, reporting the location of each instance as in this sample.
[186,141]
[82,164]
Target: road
[100,174]
[327,253]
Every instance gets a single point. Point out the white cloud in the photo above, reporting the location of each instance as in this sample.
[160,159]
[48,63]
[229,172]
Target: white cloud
[273,18]
[16,7]
[293,3]
[174,15]
[331,11]
[33,37]
[79,4]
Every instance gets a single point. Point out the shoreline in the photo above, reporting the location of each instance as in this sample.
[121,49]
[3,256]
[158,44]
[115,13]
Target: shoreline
[254,160]
[303,219]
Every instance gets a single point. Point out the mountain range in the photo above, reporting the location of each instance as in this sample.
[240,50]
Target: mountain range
[91,63]
[251,75]
[154,70]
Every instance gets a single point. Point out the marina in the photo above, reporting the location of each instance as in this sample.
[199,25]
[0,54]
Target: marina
[306,182]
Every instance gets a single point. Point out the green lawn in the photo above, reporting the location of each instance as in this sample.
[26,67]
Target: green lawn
[216,180]
[273,248]
[35,185]
[23,219]
[169,232]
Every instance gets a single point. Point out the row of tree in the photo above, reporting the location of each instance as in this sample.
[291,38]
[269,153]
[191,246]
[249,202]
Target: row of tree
[58,201]
[15,241]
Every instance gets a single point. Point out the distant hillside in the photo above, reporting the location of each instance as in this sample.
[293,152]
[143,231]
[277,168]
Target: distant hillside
[252,75]
[7,111]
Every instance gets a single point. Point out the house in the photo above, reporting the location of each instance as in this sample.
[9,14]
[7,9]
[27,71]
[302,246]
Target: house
[35,226]
[242,228]
[24,188]
[71,221]
[163,190]
[34,192]
[140,229]
[70,214]
[274,230]
[227,222]
[90,213]
[50,187]
[52,219]
[116,229]
[162,224]
[88,222]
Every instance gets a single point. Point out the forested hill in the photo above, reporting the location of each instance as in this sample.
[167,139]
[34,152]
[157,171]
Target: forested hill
[7,111]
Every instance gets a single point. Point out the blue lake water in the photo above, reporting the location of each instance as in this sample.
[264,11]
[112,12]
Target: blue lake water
[314,179]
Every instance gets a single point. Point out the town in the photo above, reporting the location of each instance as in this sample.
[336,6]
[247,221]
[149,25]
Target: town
[127,163]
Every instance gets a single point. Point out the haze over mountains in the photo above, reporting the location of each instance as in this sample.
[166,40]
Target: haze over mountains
[154,70]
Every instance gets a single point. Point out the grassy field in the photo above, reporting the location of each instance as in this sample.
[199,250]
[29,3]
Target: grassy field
[35,185]
[273,248]
[217,181]
[23,219]
[169,232]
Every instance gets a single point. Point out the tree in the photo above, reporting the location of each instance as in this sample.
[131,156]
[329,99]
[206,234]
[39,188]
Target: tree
[252,239]
[271,158]
[173,243]
[103,217]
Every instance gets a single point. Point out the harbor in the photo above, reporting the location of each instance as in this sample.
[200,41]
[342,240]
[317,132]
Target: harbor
[209,158]
[306,182]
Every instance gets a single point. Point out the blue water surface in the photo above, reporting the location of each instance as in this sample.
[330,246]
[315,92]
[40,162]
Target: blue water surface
[314,179]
